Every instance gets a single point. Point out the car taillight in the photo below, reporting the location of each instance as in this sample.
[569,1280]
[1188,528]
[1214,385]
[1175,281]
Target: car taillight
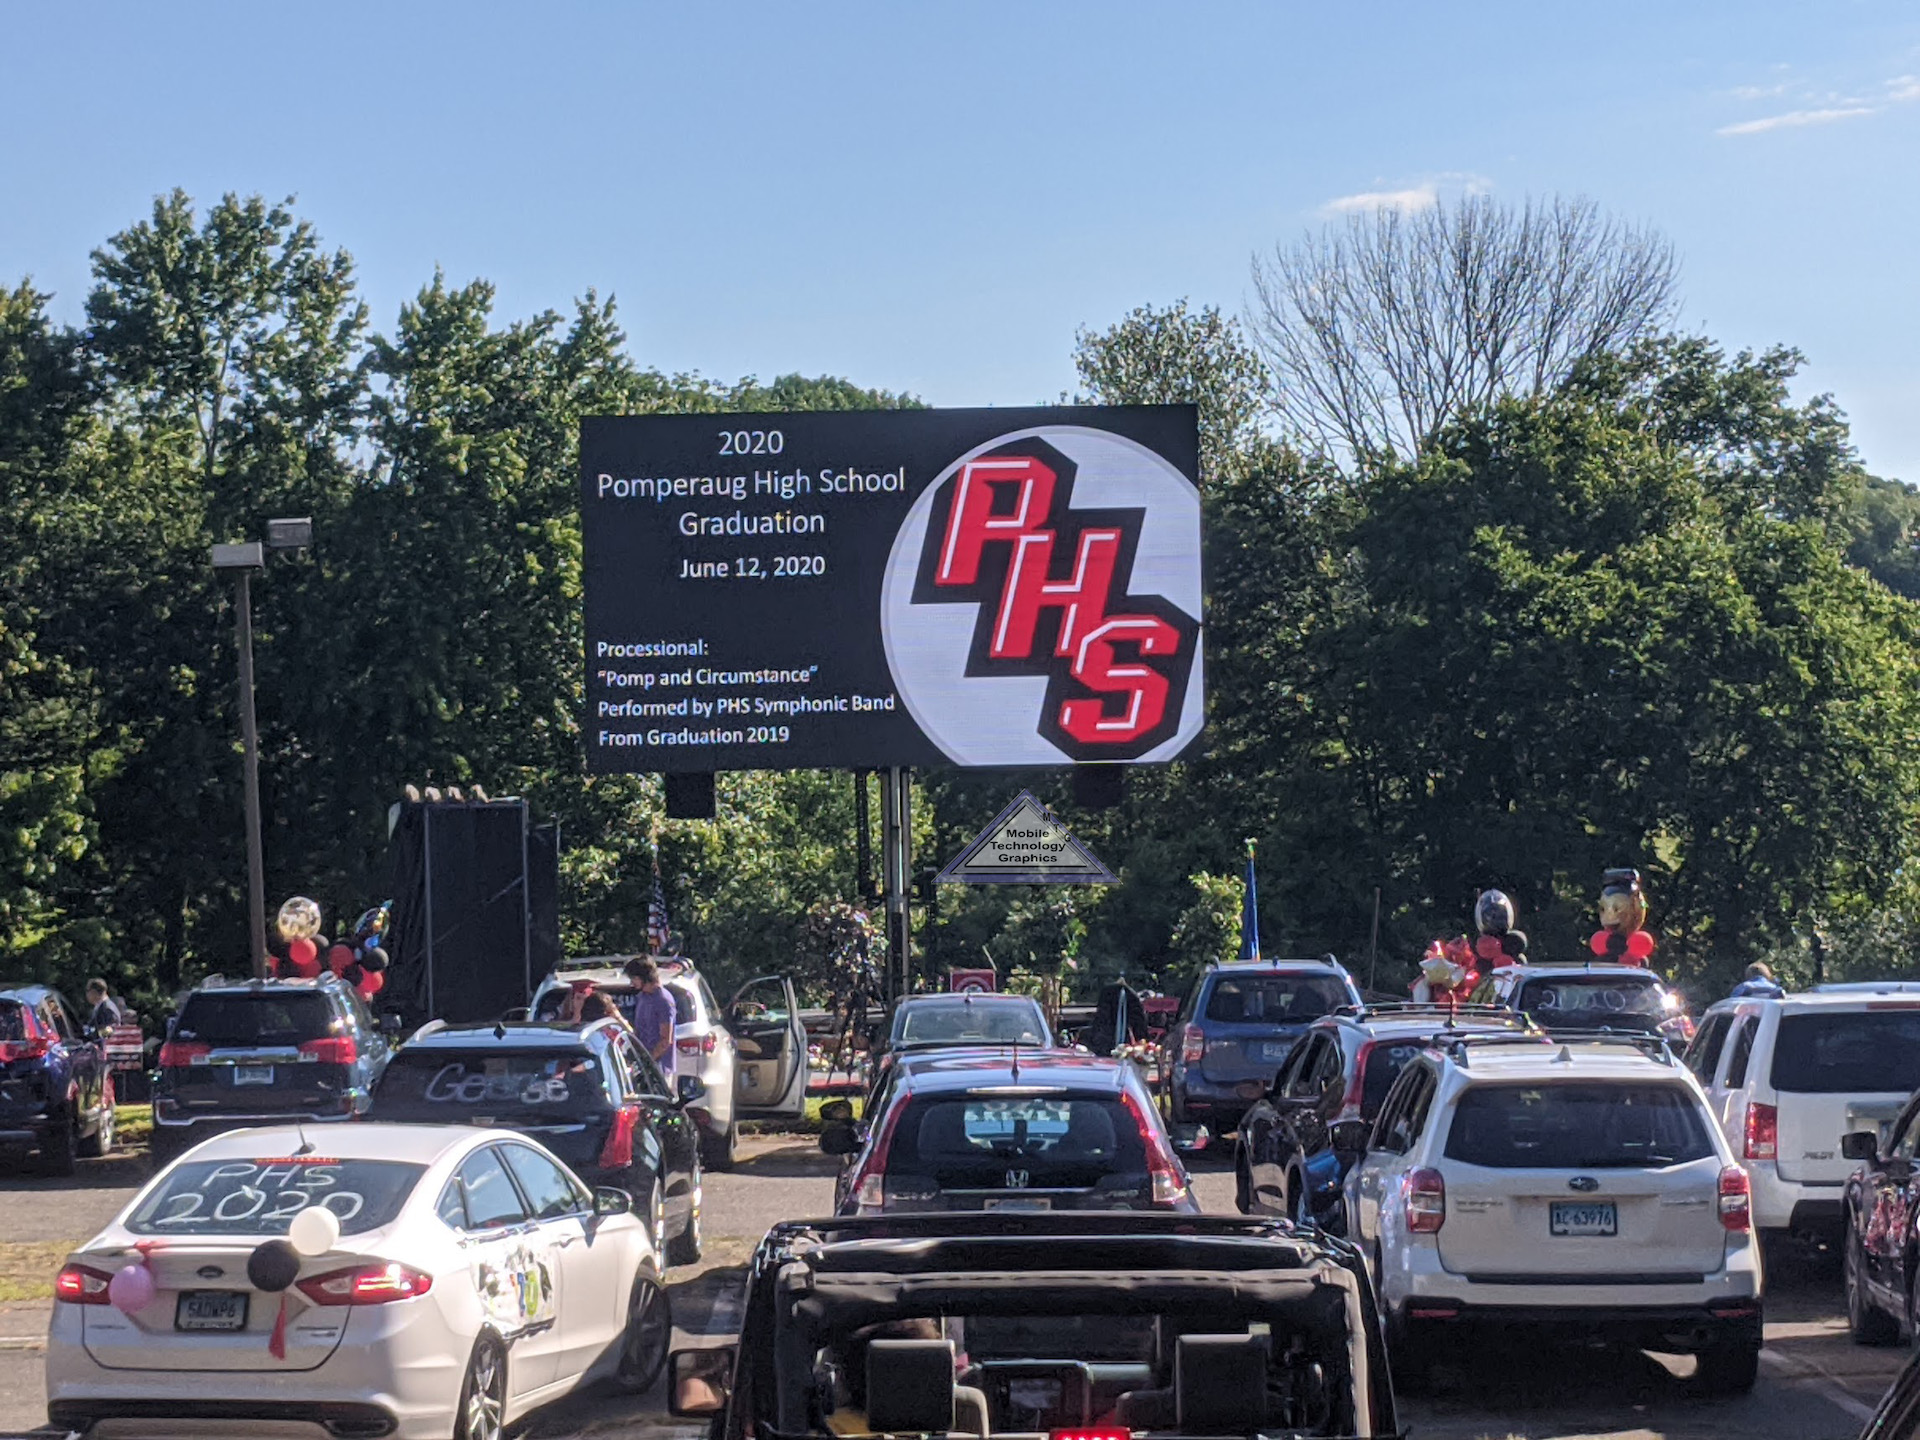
[1193,1045]
[869,1187]
[1426,1202]
[1098,1432]
[1763,1132]
[182,1052]
[366,1285]
[1169,1185]
[698,1044]
[23,1049]
[1356,1083]
[1736,1199]
[81,1285]
[332,1050]
[617,1153]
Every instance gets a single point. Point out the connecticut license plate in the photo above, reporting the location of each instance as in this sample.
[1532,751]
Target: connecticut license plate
[211,1310]
[1018,1202]
[1582,1217]
[253,1074]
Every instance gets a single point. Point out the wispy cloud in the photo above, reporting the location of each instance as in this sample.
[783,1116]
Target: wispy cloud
[1420,197]
[1794,118]
[1903,89]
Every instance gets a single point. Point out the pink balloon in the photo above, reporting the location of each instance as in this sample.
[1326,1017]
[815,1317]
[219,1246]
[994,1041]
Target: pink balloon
[132,1288]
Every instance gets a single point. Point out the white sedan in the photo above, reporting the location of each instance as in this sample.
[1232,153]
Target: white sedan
[368,1280]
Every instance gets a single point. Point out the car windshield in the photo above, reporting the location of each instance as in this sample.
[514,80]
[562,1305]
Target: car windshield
[1858,1052]
[260,1196]
[1274,999]
[959,1021]
[272,1017]
[1571,1126]
[453,1085]
[1591,999]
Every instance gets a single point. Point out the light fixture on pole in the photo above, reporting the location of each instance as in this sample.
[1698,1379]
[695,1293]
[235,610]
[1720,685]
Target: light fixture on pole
[245,560]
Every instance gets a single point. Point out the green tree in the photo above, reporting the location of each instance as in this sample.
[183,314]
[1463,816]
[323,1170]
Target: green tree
[1208,930]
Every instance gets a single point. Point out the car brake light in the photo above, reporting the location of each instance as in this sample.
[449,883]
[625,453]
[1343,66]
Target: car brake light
[1763,1132]
[1426,1202]
[332,1050]
[1097,1432]
[1356,1083]
[698,1044]
[1169,1185]
[1736,1203]
[176,1053]
[617,1153]
[366,1285]
[1193,1045]
[23,1049]
[81,1285]
[869,1188]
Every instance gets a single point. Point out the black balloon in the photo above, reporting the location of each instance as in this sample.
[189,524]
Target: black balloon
[373,960]
[1514,942]
[273,1265]
[354,974]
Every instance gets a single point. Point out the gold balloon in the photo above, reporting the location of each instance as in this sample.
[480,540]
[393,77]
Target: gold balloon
[299,917]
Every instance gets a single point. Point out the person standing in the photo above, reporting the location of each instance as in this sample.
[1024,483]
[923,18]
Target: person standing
[1759,982]
[653,1012]
[104,1013]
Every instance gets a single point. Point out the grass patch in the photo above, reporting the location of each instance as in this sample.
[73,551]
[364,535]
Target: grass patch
[807,1124]
[133,1124]
[27,1268]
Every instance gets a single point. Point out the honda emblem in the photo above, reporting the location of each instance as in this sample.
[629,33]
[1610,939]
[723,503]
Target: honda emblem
[1016,1179]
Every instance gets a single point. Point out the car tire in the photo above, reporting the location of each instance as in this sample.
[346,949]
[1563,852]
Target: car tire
[58,1147]
[719,1152]
[684,1248]
[1728,1369]
[100,1143]
[483,1393]
[647,1337]
[1867,1323]
[1242,1182]
[1410,1356]
[657,1221]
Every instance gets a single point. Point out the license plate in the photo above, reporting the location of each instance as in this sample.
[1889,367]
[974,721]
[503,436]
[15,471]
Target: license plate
[1276,1050]
[253,1074]
[1582,1217]
[211,1310]
[1018,1202]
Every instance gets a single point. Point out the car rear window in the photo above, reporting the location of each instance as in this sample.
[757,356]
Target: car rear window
[261,1196]
[1590,999]
[1849,1052]
[435,1084]
[13,1021]
[1274,999]
[1578,1127]
[686,1009]
[1385,1059]
[958,1021]
[269,1018]
[939,1134]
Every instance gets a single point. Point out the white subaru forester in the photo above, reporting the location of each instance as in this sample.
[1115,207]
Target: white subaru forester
[1581,1189]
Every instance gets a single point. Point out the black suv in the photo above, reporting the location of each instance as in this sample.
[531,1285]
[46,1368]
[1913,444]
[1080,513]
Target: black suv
[1151,1324]
[587,1092]
[264,1052]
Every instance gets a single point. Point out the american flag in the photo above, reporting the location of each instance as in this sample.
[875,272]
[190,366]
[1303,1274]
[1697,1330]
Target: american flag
[658,928]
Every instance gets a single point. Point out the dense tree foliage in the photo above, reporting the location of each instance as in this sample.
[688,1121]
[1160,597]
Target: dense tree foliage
[1650,613]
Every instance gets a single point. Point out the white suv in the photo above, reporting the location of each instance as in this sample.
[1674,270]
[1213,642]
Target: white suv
[1788,1076]
[1581,1188]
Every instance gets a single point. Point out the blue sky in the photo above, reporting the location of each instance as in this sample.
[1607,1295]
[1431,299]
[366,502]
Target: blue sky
[933,197]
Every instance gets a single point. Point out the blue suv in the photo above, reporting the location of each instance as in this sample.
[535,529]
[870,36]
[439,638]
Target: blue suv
[56,1095]
[1236,1028]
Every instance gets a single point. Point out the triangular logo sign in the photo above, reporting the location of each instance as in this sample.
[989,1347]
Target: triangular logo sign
[1026,845]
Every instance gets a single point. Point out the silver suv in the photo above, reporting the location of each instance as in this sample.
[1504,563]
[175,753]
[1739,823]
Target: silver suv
[751,1056]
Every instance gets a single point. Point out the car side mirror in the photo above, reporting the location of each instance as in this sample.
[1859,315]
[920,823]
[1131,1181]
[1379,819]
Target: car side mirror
[391,1025]
[699,1381]
[1860,1145]
[841,1139]
[1190,1139]
[690,1088]
[610,1200]
[1350,1135]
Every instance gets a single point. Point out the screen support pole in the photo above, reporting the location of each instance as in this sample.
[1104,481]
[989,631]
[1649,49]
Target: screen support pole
[896,866]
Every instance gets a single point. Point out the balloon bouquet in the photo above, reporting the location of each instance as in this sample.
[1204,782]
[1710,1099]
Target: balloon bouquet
[361,962]
[1450,970]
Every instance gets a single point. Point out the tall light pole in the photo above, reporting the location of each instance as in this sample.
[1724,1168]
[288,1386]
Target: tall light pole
[245,560]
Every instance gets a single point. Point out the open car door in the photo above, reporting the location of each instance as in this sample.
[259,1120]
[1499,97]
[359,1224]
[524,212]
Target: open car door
[771,1076]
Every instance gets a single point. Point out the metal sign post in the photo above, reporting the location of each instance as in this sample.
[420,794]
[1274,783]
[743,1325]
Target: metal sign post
[896,864]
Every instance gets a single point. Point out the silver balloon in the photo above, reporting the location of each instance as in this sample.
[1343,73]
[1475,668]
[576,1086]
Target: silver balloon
[299,917]
[1493,913]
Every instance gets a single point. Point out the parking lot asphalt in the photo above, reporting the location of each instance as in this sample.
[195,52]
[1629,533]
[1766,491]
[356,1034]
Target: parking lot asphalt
[1815,1384]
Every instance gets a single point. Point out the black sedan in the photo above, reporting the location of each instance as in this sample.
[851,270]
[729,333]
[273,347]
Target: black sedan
[588,1093]
[1881,1247]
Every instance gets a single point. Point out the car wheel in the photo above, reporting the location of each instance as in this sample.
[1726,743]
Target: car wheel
[643,1345]
[101,1141]
[1242,1183]
[58,1147]
[684,1248]
[1409,1355]
[1300,1205]
[657,1209]
[1866,1322]
[718,1152]
[1728,1369]
[483,1394]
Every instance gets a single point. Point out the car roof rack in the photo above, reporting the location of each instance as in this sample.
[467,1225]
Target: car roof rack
[1417,1009]
[1654,1047]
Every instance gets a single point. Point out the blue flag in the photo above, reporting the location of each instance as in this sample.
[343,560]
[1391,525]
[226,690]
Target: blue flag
[1250,914]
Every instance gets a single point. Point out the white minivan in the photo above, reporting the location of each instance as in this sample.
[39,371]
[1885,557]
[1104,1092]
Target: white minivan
[1787,1076]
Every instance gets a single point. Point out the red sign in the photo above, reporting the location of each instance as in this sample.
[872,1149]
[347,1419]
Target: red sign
[972,982]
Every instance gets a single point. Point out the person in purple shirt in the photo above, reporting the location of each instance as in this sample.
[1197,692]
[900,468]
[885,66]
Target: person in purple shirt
[653,1012]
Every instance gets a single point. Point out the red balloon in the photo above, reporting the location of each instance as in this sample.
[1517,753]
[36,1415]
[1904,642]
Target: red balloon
[302,951]
[1488,947]
[371,984]
[273,966]
[1639,945]
[339,957]
[1598,944]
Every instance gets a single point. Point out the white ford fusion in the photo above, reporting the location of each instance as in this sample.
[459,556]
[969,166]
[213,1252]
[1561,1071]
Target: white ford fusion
[365,1280]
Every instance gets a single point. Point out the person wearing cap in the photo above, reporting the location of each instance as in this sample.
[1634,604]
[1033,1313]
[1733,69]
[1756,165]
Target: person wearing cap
[1758,984]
